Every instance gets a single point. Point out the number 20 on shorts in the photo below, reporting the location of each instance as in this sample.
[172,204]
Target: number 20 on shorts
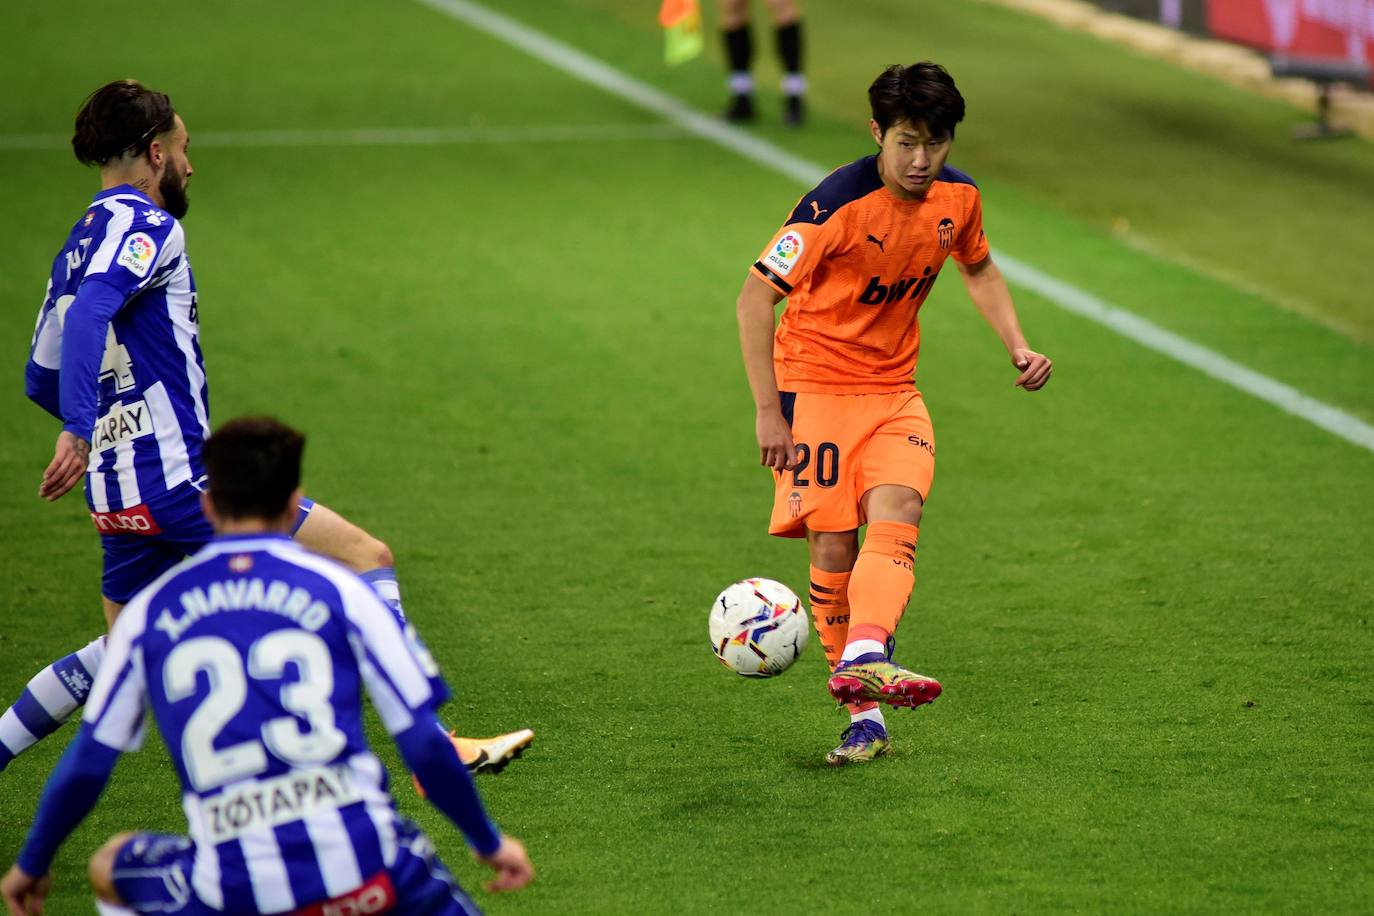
[827,465]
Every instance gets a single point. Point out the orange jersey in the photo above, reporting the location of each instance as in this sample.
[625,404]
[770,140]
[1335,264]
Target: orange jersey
[855,264]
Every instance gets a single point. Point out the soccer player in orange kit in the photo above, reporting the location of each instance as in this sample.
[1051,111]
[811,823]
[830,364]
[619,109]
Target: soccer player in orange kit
[839,419]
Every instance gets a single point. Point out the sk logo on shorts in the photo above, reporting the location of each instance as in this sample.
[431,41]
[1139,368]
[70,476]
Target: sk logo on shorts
[794,504]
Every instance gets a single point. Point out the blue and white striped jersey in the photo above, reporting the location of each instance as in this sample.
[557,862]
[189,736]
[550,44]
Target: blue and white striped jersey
[141,400]
[252,656]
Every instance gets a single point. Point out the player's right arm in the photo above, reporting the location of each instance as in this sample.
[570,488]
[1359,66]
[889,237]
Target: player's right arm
[404,683]
[802,243]
[755,310]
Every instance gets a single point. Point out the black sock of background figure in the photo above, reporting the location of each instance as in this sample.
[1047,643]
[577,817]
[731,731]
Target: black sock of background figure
[790,47]
[739,48]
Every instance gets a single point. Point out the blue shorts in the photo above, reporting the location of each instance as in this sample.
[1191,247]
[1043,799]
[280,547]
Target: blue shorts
[143,542]
[152,874]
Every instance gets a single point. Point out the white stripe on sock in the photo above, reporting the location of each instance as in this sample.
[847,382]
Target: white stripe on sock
[13,735]
[861,647]
[47,688]
[92,655]
[870,715]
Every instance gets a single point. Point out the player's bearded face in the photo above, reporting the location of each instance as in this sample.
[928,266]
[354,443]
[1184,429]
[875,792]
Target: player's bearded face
[911,157]
[172,187]
[176,172]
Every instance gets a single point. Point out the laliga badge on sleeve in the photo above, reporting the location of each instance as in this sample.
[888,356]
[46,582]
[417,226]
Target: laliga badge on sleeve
[784,255]
[138,253]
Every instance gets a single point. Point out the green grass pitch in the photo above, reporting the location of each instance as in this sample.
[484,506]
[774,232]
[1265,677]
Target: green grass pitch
[1148,595]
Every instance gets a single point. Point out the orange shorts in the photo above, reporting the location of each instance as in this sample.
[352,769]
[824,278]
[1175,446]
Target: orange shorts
[848,444]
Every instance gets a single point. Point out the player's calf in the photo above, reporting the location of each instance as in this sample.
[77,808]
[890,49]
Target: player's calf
[48,700]
[327,532]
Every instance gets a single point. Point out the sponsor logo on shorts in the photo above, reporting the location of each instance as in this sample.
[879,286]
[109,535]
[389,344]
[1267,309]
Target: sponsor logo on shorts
[794,504]
[138,253]
[124,423]
[266,803]
[377,895]
[783,256]
[133,520]
[921,443]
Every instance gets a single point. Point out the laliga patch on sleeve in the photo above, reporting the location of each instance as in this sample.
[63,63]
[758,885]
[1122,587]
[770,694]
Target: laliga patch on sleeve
[784,254]
[138,253]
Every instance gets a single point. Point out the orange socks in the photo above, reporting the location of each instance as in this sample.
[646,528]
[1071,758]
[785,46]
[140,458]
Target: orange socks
[880,586]
[830,611]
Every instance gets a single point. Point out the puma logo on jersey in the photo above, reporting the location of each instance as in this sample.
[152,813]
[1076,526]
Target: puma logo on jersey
[878,241]
[879,293]
[816,210]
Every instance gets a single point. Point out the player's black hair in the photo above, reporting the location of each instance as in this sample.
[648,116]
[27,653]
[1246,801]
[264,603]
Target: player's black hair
[254,464]
[118,118]
[923,93]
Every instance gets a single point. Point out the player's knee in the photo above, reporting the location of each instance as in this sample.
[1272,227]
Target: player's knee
[366,553]
[834,551]
[784,12]
[909,511]
[100,869]
[381,555]
[894,504]
[361,552]
[734,14]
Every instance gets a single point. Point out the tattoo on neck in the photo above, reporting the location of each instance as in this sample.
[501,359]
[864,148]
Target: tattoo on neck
[141,184]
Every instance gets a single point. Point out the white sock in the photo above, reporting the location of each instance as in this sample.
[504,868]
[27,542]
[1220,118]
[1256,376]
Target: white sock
[861,647]
[112,909]
[869,715]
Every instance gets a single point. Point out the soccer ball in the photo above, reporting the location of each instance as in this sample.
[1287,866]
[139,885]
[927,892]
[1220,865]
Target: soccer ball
[758,627]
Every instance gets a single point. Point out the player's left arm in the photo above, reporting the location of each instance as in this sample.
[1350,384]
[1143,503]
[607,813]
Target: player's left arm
[71,793]
[988,289]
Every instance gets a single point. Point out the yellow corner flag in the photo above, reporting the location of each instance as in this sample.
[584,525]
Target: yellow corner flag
[681,21]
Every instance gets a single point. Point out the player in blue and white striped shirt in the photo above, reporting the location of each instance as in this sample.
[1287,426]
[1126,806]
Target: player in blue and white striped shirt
[252,656]
[116,357]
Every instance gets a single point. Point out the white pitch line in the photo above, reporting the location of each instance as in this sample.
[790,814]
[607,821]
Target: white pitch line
[1148,334]
[1067,296]
[391,136]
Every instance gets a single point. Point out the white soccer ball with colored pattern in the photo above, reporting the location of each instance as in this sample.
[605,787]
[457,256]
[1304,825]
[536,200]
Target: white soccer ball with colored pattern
[758,627]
